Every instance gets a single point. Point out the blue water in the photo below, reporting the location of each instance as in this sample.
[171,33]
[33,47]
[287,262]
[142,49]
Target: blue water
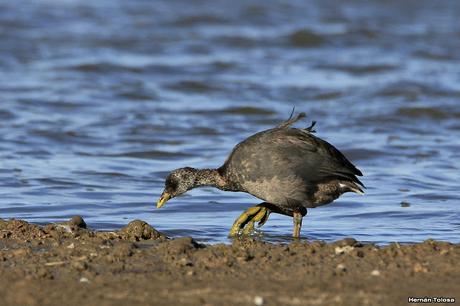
[100,100]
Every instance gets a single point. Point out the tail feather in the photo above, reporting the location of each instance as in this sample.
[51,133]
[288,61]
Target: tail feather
[351,186]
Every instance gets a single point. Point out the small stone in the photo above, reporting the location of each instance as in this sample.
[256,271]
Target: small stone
[138,230]
[71,246]
[258,300]
[341,268]
[419,268]
[375,273]
[77,221]
[185,262]
[84,280]
[79,265]
[345,249]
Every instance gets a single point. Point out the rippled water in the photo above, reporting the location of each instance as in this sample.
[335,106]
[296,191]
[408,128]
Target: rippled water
[99,100]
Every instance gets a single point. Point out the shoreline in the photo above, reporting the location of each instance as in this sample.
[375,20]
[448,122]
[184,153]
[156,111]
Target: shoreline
[65,263]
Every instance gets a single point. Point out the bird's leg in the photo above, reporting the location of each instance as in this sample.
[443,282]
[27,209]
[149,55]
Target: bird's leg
[297,215]
[245,222]
[297,224]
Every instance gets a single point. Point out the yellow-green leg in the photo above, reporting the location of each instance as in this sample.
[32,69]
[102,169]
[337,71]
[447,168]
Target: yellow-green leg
[244,224]
[297,216]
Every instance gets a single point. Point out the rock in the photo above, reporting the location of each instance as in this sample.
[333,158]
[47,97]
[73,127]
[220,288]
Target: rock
[419,268]
[343,250]
[375,273]
[341,268]
[79,265]
[138,230]
[84,280]
[185,262]
[77,222]
[258,300]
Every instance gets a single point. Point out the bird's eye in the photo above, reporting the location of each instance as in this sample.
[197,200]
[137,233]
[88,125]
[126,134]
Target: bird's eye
[171,184]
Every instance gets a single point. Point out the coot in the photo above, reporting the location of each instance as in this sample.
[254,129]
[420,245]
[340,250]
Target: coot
[290,169]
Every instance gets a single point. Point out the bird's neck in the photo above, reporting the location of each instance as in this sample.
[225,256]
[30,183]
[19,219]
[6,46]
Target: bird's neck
[209,177]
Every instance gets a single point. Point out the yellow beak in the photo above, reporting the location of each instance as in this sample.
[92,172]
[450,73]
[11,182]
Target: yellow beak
[163,199]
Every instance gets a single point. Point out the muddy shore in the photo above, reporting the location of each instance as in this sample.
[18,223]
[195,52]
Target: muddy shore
[67,264]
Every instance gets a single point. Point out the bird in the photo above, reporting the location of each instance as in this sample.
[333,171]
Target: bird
[289,169]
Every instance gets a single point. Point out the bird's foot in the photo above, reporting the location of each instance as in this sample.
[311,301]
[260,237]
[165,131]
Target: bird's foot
[244,225]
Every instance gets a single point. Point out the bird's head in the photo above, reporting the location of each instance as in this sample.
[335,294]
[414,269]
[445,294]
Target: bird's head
[178,182]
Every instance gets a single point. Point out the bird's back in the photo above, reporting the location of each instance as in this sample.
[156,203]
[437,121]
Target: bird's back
[286,164]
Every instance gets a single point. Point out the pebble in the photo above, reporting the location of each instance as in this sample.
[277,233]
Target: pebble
[185,262]
[258,300]
[84,280]
[419,268]
[341,267]
[71,246]
[345,249]
[78,222]
[375,273]
[79,265]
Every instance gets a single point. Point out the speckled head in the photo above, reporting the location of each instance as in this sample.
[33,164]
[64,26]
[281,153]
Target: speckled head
[178,182]
[184,179]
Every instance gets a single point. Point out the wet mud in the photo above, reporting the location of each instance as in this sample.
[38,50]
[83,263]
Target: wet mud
[68,264]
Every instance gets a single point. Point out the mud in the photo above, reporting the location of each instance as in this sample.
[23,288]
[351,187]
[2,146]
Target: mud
[68,264]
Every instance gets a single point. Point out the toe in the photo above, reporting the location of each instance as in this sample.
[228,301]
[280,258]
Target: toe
[246,219]
[263,218]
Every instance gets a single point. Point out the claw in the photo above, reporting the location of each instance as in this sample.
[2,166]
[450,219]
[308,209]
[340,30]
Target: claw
[245,222]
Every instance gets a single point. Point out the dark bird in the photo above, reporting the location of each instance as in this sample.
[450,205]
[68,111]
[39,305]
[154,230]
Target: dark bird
[290,169]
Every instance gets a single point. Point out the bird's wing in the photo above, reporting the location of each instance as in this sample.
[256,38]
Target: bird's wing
[312,158]
[288,154]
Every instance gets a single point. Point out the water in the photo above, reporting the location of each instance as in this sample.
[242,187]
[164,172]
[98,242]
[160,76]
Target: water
[100,100]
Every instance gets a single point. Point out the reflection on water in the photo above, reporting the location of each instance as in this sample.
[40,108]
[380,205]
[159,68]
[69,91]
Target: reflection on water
[100,100]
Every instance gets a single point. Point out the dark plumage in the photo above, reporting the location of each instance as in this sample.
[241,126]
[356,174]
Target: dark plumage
[289,168]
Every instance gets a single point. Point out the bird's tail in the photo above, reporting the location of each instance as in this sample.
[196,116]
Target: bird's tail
[348,186]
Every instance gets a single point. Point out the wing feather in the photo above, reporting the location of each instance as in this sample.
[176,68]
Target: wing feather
[286,152]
